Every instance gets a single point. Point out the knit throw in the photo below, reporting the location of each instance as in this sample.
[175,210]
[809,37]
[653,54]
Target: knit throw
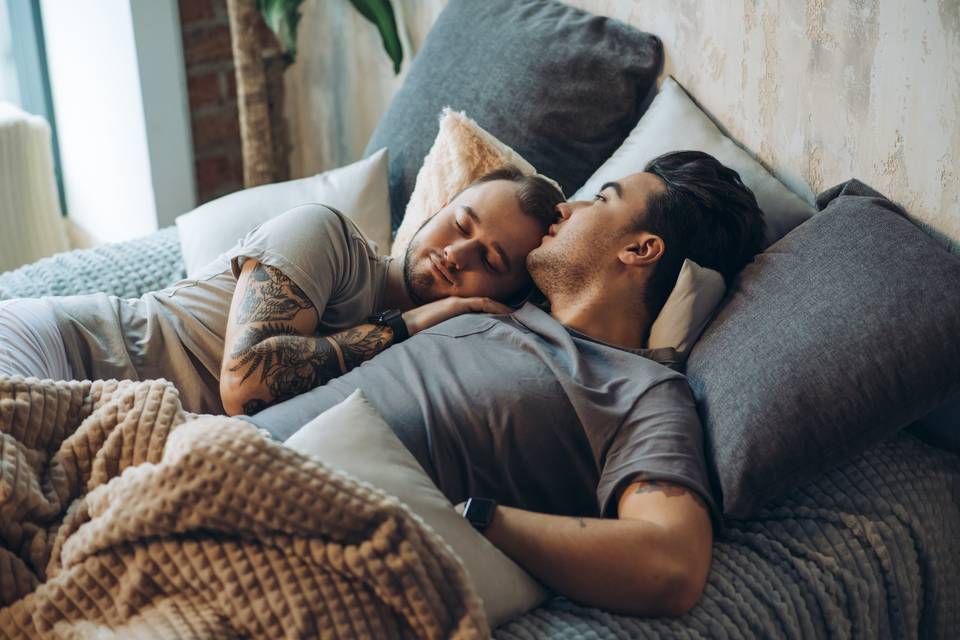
[123,516]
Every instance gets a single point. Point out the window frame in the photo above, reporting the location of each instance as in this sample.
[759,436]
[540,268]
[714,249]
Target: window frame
[33,79]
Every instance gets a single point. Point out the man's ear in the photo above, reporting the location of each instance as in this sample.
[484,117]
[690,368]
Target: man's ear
[645,250]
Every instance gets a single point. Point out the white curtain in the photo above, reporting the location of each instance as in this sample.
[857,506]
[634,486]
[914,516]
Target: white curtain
[31,226]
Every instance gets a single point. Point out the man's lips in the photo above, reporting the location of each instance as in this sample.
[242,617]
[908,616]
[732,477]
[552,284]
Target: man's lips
[441,270]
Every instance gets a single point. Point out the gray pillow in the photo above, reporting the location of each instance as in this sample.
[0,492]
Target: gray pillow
[562,87]
[838,335]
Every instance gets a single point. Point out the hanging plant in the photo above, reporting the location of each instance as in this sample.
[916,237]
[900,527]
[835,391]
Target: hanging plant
[283,16]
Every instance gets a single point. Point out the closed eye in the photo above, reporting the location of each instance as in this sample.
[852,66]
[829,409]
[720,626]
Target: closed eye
[460,227]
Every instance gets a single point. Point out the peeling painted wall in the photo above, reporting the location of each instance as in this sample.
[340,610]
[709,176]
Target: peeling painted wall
[818,90]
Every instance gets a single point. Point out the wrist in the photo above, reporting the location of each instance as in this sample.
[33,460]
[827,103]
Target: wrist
[410,320]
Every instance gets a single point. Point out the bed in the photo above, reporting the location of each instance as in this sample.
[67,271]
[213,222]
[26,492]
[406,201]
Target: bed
[868,546]
[868,550]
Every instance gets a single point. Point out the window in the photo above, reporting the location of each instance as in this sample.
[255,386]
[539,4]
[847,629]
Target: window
[23,68]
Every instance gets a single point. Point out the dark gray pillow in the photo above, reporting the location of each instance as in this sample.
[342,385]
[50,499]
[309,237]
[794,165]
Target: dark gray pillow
[562,87]
[836,336]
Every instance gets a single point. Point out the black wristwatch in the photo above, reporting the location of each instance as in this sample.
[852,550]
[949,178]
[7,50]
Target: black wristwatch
[392,318]
[479,512]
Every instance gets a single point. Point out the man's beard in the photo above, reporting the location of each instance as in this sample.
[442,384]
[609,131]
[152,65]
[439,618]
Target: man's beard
[556,270]
[418,284]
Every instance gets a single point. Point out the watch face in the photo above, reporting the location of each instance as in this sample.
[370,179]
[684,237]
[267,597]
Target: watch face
[479,512]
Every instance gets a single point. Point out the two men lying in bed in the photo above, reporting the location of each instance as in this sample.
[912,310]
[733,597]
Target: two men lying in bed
[560,413]
[302,288]
[586,451]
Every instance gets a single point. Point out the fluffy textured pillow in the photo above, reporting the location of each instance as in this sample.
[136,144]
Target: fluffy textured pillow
[674,123]
[838,335]
[688,309]
[461,153]
[359,190]
[353,437]
[561,86]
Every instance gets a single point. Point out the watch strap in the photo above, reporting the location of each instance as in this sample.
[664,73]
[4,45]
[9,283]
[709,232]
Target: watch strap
[393,318]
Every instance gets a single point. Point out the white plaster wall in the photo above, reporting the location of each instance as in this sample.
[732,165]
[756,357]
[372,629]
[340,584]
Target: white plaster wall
[818,90]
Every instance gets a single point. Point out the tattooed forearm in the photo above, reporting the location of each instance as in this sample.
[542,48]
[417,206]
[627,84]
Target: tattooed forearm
[668,489]
[362,343]
[288,365]
[271,297]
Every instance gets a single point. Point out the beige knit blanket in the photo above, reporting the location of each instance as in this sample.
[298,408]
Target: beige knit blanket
[123,516]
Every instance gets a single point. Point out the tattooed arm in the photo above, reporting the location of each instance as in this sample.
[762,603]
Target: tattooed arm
[652,561]
[271,352]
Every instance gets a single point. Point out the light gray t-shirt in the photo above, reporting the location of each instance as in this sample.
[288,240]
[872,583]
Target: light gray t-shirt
[178,333]
[524,410]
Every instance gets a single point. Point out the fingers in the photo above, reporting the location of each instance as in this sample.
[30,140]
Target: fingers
[486,305]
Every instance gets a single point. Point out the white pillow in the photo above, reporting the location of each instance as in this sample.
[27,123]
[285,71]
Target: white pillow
[688,309]
[359,190]
[352,437]
[674,123]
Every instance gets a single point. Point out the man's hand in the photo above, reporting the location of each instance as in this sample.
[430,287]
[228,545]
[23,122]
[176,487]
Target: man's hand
[432,313]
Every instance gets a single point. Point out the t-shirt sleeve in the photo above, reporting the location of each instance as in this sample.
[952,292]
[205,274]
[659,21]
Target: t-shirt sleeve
[660,439]
[310,244]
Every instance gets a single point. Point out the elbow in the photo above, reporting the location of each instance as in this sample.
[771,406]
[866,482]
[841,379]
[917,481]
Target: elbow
[237,398]
[682,595]
[680,590]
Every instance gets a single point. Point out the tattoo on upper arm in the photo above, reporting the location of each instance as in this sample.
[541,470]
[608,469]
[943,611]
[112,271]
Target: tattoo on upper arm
[271,297]
[669,489]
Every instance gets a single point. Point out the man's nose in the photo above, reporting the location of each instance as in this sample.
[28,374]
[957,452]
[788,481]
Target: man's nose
[459,255]
[567,209]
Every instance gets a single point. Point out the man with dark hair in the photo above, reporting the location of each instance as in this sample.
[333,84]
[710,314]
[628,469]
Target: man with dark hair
[308,299]
[580,450]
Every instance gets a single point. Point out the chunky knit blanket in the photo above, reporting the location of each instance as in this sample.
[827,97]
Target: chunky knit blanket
[869,550]
[123,516]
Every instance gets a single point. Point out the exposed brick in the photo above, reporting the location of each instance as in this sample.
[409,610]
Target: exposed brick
[217,176]
[206,44]
[217,128]
[204,90]
[231,80]
[196,10]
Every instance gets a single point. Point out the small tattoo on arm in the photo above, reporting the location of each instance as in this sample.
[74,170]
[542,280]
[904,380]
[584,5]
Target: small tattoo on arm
[669,489]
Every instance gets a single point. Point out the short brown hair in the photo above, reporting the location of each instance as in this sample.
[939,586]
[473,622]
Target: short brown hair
[537,197]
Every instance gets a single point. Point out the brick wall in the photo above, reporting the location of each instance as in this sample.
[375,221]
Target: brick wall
[212,90]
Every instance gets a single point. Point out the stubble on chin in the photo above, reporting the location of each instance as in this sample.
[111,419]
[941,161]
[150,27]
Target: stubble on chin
[420,284]
[556,270]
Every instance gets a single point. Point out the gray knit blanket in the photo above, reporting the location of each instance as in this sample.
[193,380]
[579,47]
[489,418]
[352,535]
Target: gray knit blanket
[869,550]
[126,269]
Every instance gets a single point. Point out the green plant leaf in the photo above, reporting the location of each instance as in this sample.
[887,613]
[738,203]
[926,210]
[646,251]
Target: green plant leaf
[380,13]
[282,16]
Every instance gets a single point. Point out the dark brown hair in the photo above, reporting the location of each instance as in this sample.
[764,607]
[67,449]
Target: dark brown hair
[705,213]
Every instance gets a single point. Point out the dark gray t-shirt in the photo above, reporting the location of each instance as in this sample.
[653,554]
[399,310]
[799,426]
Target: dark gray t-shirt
[523,410]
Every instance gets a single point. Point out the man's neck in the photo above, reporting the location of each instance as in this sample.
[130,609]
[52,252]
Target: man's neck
[395,295]
[606,316]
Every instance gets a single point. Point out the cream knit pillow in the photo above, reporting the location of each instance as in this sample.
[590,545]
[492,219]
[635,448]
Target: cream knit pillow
[461,153]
